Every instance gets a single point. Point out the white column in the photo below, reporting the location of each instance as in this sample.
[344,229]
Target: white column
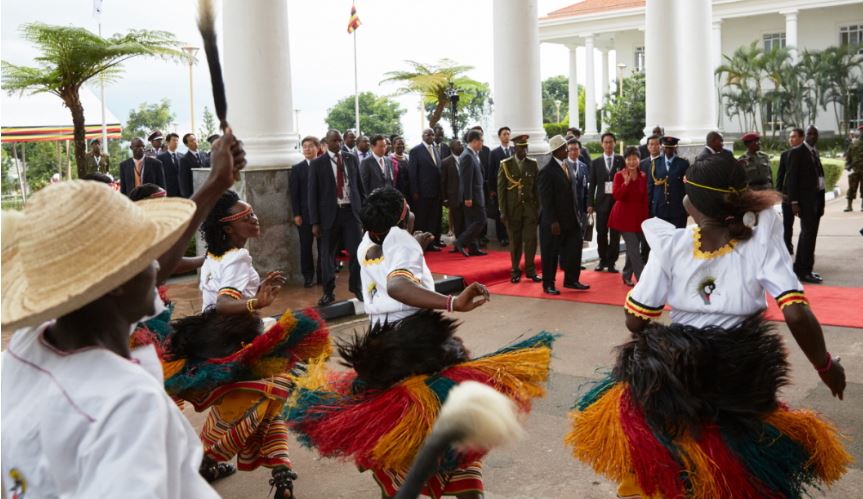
[717,61]
[517,86]
[589,88]
[257,54]
[604,84]
[697,104]
[573,89]
[661,106]
[791,32]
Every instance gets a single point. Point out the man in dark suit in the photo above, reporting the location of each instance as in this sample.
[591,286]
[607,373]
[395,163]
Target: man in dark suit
[363,148]
[575,133]
[559,226]
[646,165]
[171,165]
[472,186]
[350,143]
[714,145]
[299,187]
[140,169]
[665,190]
[804,182]
[643,149]
[377,169]
[192,159]
[335,199]
[795,138]
[581,191]
[424,177]
[498,154]
[600,200]
[450,182]
[443,149]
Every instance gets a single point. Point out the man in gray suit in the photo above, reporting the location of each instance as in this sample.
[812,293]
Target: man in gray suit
[450,182]
[472,183]
[377,169]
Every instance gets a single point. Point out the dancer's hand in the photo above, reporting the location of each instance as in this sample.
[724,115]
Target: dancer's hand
[466,300]
[269,288]
[227,158]
[834,378]
[424,238]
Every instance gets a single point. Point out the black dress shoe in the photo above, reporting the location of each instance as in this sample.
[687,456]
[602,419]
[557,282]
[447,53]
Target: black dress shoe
[453,250]
[308,283]
[460,249]
[326,299]
[576,285]
[583,267]
[515,279]
[535,278]
[504,242]
[628,281]
[550,291]
[612,269]
[811,279]
[477,252]
[432,247]
[440,244]
[599,267]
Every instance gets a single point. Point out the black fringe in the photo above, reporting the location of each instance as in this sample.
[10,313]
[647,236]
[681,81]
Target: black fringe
[683,377]
[211,335]
[206,25]
[423,343]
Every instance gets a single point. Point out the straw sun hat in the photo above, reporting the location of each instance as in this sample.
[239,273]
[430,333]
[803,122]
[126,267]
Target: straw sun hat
[78,240]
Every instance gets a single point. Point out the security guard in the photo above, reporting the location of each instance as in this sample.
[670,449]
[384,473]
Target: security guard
[854,165]
[756,163]
[665,190]
[518,200]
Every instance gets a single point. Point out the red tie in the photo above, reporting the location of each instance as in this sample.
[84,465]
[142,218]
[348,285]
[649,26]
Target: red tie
[340,177]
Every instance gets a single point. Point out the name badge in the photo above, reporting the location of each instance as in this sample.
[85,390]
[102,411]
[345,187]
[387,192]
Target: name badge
[821,184]
[608,187]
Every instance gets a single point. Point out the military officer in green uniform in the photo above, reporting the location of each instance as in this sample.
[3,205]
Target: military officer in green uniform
[518,201]
[97,161]
[756,163]
[854,165]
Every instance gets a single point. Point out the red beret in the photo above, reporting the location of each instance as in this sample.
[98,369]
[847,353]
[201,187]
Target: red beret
[749,137]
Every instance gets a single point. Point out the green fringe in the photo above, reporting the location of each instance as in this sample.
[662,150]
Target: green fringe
[596,391]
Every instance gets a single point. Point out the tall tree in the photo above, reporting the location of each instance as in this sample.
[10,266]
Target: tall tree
[72,56]
[474,105]
[431,81]
[843,75]
[146,118]
[555,88]
[208,127]
[377,114]
[625,115]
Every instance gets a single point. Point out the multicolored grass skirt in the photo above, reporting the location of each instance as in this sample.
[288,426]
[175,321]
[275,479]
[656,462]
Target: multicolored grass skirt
[693,413]
[245,391]
[383,430]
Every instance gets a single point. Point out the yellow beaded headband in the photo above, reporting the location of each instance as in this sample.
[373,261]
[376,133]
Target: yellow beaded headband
[717,189]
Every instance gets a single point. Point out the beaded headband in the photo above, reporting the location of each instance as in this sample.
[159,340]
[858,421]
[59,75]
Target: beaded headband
[236,216]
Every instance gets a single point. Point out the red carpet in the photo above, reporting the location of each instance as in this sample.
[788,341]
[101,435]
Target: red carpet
[832,305]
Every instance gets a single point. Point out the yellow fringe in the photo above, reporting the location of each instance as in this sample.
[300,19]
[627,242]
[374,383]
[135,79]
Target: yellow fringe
[265,368]
[820,439]
[314,379]
[597,437]
[397,449]
[702,470]
[521,371]
[288,320]
[173,367]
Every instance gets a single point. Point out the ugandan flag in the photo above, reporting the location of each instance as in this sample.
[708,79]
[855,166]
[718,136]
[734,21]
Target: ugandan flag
[354,22]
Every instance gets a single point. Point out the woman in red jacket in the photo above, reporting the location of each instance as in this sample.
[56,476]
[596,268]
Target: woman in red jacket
[630,209]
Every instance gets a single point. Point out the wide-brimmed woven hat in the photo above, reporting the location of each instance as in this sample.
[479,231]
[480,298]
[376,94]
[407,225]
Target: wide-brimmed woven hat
[556,143]
[77,241]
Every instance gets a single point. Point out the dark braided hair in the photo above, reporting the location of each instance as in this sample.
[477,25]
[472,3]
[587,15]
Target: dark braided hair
[213,230]
[381,211]
[721,171]
[143,191]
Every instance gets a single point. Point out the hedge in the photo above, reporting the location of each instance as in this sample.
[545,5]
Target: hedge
[832,170]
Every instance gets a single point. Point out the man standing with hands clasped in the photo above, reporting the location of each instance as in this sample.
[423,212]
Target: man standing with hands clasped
[600,200]
[805,186]
[518,201]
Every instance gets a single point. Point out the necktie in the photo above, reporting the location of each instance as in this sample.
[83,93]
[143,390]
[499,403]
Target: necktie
[340,177]
[608,164]
[506,152]
[566,170]
[431,153]
[174,158]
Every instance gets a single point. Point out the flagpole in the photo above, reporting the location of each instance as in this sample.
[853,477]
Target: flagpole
[102,98]
[356,87]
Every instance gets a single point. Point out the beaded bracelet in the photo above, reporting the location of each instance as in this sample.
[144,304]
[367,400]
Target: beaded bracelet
[251,305]
[449,303]
[827,366]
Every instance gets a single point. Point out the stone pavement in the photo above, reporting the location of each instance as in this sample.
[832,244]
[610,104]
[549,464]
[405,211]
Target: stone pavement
[540,466]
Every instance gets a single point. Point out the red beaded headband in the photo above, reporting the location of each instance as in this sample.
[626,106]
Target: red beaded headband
[236,216]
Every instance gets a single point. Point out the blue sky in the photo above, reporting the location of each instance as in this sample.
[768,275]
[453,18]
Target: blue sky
[392,31]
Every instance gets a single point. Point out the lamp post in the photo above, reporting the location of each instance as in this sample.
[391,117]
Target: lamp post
[620,68]
[452,94]
[191,51]
[557,104]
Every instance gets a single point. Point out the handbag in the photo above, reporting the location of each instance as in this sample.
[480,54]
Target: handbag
[587,234]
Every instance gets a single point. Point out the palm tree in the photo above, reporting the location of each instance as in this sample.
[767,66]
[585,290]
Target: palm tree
[810,72]
[72,56]
[843,68]
[743,74]
[431,81]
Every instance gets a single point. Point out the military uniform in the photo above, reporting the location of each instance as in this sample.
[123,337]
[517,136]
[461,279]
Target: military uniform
[518,201]
[854,158]
[665,191]
[758,171]
[97,165]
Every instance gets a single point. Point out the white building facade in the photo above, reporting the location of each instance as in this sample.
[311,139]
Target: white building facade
[613,32]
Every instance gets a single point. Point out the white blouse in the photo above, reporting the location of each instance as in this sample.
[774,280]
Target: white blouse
[90,423]
[231,274]
[721,288]
[401,255]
